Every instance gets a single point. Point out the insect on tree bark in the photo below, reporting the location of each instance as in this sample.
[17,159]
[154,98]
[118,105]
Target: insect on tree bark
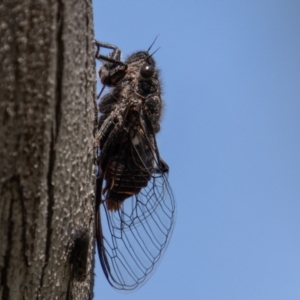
[135,207]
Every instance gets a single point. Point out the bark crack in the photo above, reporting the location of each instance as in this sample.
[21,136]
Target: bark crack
[5,269]
[54,130]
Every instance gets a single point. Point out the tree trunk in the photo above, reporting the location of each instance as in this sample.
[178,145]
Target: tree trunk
[47,88]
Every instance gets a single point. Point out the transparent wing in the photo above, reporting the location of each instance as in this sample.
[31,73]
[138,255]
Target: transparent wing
[132,239]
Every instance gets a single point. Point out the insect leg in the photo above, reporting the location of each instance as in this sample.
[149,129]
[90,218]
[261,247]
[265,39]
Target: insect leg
[110,139]
[114,57]
[104,131]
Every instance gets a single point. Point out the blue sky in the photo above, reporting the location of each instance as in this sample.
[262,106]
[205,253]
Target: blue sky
[230,134]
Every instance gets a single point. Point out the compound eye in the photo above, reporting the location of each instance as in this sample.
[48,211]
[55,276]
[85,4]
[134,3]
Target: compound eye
[147,71]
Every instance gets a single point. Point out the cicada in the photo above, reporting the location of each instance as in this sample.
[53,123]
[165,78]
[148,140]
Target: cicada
[135,207]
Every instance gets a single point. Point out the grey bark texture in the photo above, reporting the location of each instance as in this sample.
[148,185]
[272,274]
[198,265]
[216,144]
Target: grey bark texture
[47,87]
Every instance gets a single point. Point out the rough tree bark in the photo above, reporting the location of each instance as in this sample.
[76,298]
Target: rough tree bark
[47,87]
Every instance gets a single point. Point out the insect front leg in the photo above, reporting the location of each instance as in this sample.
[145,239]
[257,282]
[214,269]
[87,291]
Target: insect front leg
[113,69]
[113,57]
